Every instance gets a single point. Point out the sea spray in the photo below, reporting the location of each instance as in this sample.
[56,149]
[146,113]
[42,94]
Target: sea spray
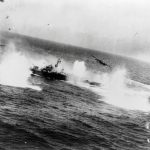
[79,69]
[116,87]
[15,68]
[116,92]
[77,72]
[15,71]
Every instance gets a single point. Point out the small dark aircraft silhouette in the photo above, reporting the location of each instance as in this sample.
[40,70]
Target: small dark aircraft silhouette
[100,61]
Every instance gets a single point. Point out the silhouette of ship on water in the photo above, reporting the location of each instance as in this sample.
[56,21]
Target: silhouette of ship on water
[49,72]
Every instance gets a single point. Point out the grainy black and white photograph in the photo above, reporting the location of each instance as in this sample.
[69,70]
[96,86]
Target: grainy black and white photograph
[74,75]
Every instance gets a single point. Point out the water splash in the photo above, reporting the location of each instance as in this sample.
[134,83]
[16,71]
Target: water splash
[77,72]
[79,69]
[15,69]
[116,87]
[117,91]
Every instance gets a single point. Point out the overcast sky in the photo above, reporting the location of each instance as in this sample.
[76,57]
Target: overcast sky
[119,26]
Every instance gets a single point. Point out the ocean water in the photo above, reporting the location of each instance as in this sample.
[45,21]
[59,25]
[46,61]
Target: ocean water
[98,108]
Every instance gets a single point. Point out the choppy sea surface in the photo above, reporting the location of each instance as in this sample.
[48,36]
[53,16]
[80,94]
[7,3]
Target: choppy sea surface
[98,108]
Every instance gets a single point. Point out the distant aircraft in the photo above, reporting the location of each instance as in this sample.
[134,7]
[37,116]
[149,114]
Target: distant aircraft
[100,61]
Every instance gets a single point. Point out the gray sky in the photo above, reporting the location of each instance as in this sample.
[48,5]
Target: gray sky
[118,26]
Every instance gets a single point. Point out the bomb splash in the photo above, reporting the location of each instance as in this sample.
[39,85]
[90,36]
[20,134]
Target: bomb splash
[15,69]
[117,90]
[116,87]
